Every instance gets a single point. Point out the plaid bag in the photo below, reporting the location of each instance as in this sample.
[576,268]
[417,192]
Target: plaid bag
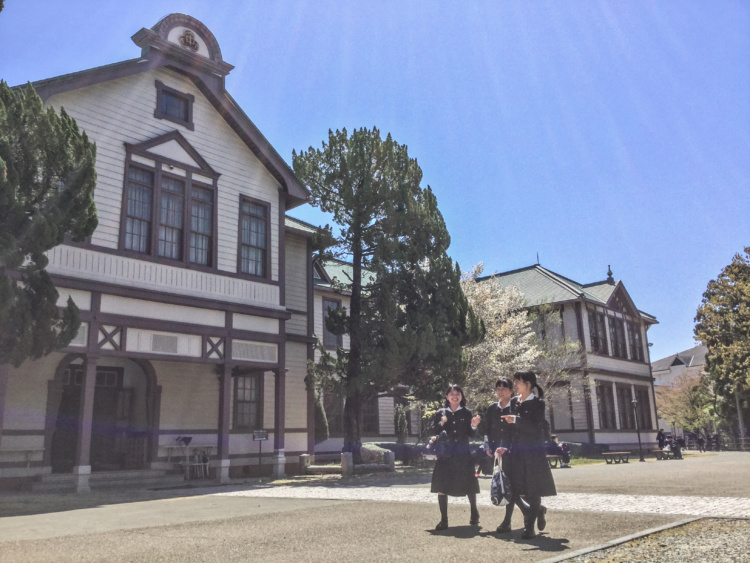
[500,492]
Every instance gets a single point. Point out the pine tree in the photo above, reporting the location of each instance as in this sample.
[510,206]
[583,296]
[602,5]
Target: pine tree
[408,318]
[47,180]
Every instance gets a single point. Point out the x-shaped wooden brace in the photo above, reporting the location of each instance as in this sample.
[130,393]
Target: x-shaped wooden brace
[109,337]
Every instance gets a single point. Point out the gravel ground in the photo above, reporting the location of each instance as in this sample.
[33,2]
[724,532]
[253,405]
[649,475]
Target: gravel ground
[706,540]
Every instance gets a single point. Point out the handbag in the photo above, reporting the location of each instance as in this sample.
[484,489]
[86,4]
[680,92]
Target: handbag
[437,446]
[500,492]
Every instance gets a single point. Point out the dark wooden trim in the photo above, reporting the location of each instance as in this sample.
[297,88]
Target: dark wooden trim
[163,297]
[37,432]
[645,379]
[184,431]
[225,396]
[291,337]
[161,89]
[296,311]
[310,348]
[282,249]
[268,263]
[178,327]
[143,149]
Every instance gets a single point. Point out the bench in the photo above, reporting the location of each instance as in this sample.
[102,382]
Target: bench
[554,460]
[616,457]
[663,455]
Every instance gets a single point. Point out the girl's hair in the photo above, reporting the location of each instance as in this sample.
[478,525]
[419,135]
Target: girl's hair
[455,387]
[504,382]
[530,377]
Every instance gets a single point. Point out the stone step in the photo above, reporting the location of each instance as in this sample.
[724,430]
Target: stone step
[323,469]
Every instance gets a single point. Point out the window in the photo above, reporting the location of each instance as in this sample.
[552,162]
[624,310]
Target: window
[201,224]
[597,330]
[174,105]
[606,402]
[370,416]
[625,407]
[140,189]
[644,408]
[617,337]
[330,340]
[157,207]
[247,395]
[635,341]
[253,238]
[171,212]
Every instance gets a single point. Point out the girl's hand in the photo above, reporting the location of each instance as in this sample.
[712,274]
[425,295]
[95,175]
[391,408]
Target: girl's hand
[475,421]
[443,420]
[509,418]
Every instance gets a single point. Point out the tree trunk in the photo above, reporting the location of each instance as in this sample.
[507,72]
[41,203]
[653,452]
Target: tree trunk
[352,408]
[740,419]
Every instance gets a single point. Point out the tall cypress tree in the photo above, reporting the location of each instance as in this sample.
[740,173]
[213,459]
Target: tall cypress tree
[47,180]
[408,318]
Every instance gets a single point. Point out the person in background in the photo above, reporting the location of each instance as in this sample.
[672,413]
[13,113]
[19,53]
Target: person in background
[701,441]
[530,474]
[661,439]
[554,447]
[454,471]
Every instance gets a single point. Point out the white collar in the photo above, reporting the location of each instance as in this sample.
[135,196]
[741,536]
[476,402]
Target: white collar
[458,409]
[532,396]
[503,407]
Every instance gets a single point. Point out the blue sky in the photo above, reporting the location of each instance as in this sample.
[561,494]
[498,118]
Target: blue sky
[591,133]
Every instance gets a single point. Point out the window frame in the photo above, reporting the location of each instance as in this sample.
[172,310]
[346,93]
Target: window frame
[642,395]
[339,337]
[258,423]
[161,169]
[605,396]
[625,406]
[635,340]
[617,337]
[267,261]
[598,331]
[162,89]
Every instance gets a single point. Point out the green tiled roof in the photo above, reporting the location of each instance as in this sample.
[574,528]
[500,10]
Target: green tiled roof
[292,223]
[540,285]
[342,271]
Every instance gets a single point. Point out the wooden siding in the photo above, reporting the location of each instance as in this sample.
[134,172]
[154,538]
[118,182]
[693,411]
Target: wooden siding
[110,268]
[296,287]
[570,322]
[296,392]
[386,416]
[190,395]
[122,110]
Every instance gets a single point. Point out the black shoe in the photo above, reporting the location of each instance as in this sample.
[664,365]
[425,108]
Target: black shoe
[541,520]
[503,528]
[528,534]
[442,525]
[474,521]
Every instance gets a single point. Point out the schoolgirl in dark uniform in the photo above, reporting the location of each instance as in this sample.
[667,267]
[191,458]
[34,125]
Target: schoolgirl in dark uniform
[530,474]
[454,471]
[499,439]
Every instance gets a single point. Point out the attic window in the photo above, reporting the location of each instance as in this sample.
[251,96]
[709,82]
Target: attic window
[318,273]
[174,105]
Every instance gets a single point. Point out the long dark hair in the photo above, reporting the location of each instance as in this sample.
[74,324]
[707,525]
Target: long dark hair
[530,377]
[504,382]
[455,387]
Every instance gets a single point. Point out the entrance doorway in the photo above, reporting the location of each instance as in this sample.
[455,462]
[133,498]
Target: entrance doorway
[116,443]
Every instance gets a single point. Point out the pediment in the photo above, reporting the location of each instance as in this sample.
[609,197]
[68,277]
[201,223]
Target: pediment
[174,149]
[621,301]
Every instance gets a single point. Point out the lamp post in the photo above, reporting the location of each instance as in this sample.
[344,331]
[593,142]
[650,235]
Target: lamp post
[637,428]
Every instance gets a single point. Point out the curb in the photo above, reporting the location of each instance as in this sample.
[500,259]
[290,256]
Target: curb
[621,540]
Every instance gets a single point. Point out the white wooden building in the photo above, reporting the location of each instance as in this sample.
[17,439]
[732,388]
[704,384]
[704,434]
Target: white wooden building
[194,293]
[597,407]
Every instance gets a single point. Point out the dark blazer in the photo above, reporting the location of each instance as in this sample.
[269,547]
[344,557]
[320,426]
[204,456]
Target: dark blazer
[458,429]
[530,472]
[499,432]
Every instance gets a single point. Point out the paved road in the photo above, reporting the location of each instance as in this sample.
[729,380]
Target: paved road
[365,518]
